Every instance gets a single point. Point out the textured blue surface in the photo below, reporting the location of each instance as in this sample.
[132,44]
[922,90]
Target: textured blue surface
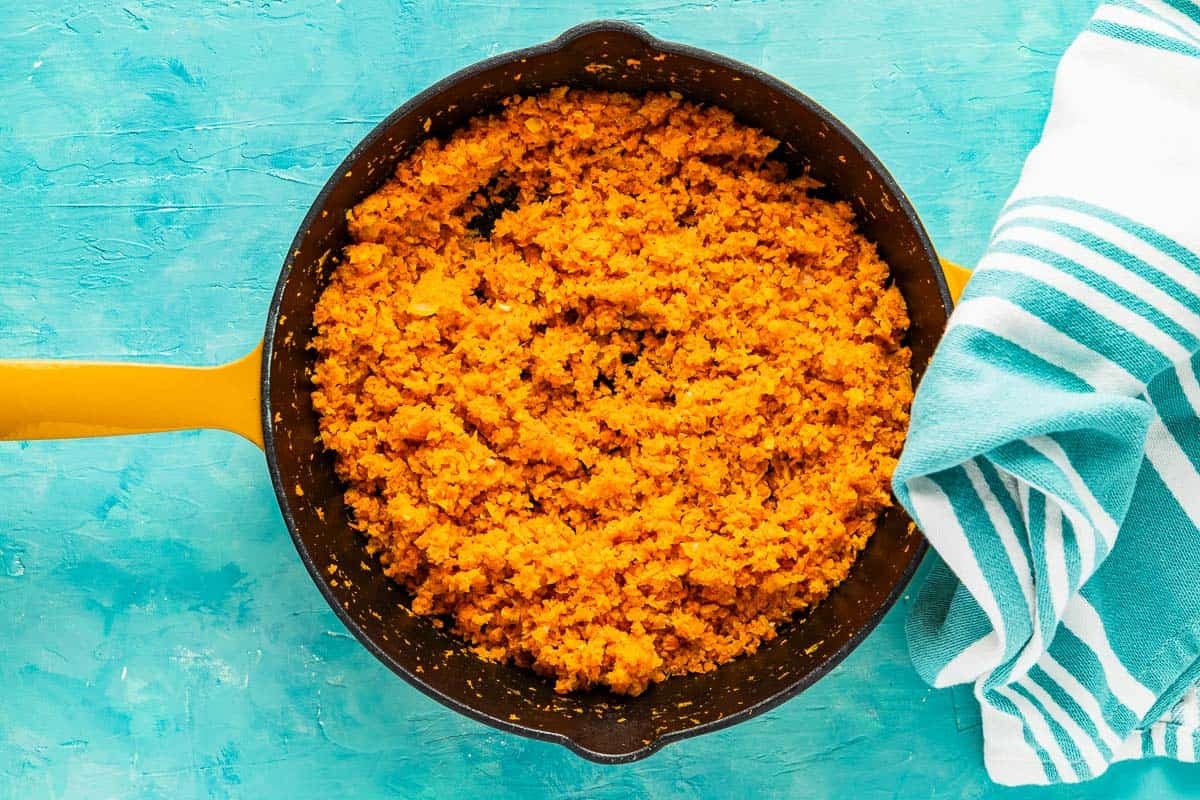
[159,636]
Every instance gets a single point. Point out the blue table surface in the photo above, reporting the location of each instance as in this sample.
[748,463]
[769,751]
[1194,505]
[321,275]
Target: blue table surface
[160,637]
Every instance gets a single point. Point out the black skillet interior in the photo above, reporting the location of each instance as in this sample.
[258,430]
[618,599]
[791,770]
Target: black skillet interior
[597,725]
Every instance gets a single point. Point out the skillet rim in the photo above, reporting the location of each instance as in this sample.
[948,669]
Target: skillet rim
[559,43]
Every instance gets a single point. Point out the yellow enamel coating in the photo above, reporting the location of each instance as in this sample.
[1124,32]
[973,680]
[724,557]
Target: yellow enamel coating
[73,399]
[956,278]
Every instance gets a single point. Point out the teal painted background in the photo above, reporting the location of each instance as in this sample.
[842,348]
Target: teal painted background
[159,637]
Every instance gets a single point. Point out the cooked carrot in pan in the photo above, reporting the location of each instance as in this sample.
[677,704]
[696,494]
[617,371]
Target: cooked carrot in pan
[612,392]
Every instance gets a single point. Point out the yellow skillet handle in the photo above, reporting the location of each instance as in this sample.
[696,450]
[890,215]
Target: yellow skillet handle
[72,399]
[956,278]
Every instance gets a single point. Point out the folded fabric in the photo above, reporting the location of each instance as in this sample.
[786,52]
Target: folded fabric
[1053,460]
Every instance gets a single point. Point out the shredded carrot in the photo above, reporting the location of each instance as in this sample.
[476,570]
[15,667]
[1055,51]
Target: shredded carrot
[611,392]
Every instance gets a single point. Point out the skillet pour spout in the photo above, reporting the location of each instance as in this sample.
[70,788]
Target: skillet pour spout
[266,399]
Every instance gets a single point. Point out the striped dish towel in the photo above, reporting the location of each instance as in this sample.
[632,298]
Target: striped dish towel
[1054,455]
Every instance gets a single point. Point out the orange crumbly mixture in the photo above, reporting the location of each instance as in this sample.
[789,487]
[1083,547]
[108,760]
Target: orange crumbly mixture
[610,390]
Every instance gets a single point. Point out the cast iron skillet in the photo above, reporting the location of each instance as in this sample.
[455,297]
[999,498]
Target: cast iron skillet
[62,399]
[597,725]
